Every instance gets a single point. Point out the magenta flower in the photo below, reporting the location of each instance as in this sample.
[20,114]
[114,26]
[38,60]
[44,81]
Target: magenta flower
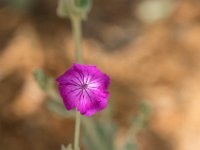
[85,88]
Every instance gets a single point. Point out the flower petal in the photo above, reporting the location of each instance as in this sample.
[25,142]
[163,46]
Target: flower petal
[66,77]
[69,94]
[92,101]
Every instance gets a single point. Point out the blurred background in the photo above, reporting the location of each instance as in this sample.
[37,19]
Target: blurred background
[149,48]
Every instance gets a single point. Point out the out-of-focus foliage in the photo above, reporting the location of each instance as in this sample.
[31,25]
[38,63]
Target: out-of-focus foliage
[21,4]
[98,133]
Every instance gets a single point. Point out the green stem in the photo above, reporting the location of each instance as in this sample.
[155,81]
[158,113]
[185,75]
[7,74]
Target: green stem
[76,27]
[77,131]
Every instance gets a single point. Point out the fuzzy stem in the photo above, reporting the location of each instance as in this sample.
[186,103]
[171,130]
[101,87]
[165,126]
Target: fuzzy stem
[77,131]
[76,28]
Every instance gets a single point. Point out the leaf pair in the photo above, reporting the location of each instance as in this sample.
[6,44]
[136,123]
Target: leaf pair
[73,8]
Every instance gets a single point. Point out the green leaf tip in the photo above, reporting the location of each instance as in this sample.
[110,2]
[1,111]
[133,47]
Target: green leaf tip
[42,79]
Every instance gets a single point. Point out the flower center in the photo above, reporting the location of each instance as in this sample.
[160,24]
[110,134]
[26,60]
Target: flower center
[84,86]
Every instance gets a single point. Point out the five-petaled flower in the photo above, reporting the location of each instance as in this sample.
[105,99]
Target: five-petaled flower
[85,88]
